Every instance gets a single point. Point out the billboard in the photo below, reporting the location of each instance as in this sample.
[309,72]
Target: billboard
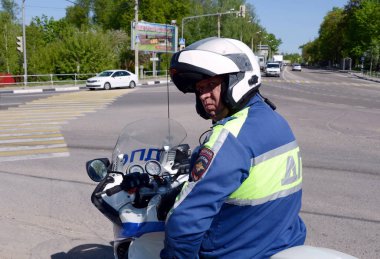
[154,37]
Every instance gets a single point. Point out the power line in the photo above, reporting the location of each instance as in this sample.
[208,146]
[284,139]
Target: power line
[45,7]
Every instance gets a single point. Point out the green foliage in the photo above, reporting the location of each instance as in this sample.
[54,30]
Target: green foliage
[49,29]
[11,8]
[113,15]
[293,57]
[95,34]
[84,52]
[353,31]
[10,58]
[330,38]
[79,14]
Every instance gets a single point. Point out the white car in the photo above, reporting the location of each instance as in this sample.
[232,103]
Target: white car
[112,79]
[273,69]
[296,67]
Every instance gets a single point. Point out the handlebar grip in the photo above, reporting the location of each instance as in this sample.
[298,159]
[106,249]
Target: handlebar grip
[113,190]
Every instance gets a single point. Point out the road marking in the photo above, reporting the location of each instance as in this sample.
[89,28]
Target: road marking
[33,156]
[307,82]
[8,149]
[33,130]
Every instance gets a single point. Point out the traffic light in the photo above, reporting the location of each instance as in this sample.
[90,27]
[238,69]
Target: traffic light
[20,46]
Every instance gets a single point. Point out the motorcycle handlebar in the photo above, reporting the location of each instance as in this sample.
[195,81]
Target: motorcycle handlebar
[136,180]
[113,190]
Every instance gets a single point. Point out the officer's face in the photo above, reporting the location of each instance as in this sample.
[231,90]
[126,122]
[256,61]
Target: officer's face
[210,90]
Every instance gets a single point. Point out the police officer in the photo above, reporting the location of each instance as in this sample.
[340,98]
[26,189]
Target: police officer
[244,196]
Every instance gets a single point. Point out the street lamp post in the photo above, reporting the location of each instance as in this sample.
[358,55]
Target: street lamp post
[24,44]
[136,43]
[252,41]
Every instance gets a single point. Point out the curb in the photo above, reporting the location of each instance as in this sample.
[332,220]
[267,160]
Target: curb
[156,82]
[64,89]
[366,78]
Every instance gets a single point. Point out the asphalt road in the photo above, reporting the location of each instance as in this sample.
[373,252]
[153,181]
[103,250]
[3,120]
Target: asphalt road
[45,140]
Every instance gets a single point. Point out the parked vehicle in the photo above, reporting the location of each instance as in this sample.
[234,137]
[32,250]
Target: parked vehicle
[278,58]
[296,67]
[112,79]
[273,69]
[262,61]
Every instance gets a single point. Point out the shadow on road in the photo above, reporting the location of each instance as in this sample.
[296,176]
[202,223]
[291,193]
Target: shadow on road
[321,72]
[86,251]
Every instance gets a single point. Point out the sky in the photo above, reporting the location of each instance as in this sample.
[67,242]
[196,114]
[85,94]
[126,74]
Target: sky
[51,8]
[295,22]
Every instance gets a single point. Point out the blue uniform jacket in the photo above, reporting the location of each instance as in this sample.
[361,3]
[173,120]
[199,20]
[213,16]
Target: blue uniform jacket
[245,196]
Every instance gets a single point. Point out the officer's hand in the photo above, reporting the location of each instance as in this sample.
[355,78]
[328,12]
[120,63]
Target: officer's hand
[167,202]
[134,180]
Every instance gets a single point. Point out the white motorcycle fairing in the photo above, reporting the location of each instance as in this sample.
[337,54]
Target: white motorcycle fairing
[151,148]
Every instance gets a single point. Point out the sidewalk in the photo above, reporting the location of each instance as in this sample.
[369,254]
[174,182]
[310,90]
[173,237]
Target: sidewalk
[68,87]
[365,77]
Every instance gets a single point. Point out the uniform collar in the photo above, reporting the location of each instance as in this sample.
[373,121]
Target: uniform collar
[254,99]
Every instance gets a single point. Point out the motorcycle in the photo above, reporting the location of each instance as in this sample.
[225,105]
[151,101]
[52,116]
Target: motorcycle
[138,187]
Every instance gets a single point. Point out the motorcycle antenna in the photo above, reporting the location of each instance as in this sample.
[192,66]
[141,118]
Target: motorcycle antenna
[167,70]
[167,80]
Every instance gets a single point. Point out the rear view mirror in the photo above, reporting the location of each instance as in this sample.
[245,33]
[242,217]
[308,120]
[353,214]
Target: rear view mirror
[97,169]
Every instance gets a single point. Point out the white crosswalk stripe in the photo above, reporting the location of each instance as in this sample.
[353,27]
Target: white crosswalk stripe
[307,82]
[33,130]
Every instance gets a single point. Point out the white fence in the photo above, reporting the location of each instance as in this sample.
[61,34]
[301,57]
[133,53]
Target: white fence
[45,79]
[63,79]
[154,74]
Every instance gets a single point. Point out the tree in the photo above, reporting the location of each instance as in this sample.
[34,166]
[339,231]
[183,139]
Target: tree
[293,57]
[310,52]
[362,28]
[11,8]
[350,32]
[50,29]
[79,14]
[95,34]
[84,52]
[331,36]
[114,15]
[274,43]
[10,58]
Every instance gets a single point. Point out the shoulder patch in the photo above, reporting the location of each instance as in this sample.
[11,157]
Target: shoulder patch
[202,163]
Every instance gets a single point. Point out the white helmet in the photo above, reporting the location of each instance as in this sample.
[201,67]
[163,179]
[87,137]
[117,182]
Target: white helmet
[218,56]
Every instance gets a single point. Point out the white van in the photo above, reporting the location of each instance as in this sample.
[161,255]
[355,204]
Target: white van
[273,69]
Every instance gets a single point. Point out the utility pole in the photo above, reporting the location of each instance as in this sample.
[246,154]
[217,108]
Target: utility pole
[136,43]
[6,46]
[219,16]
[24,44]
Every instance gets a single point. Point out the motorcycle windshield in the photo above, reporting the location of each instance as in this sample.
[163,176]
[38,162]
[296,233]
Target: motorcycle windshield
[142,140]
